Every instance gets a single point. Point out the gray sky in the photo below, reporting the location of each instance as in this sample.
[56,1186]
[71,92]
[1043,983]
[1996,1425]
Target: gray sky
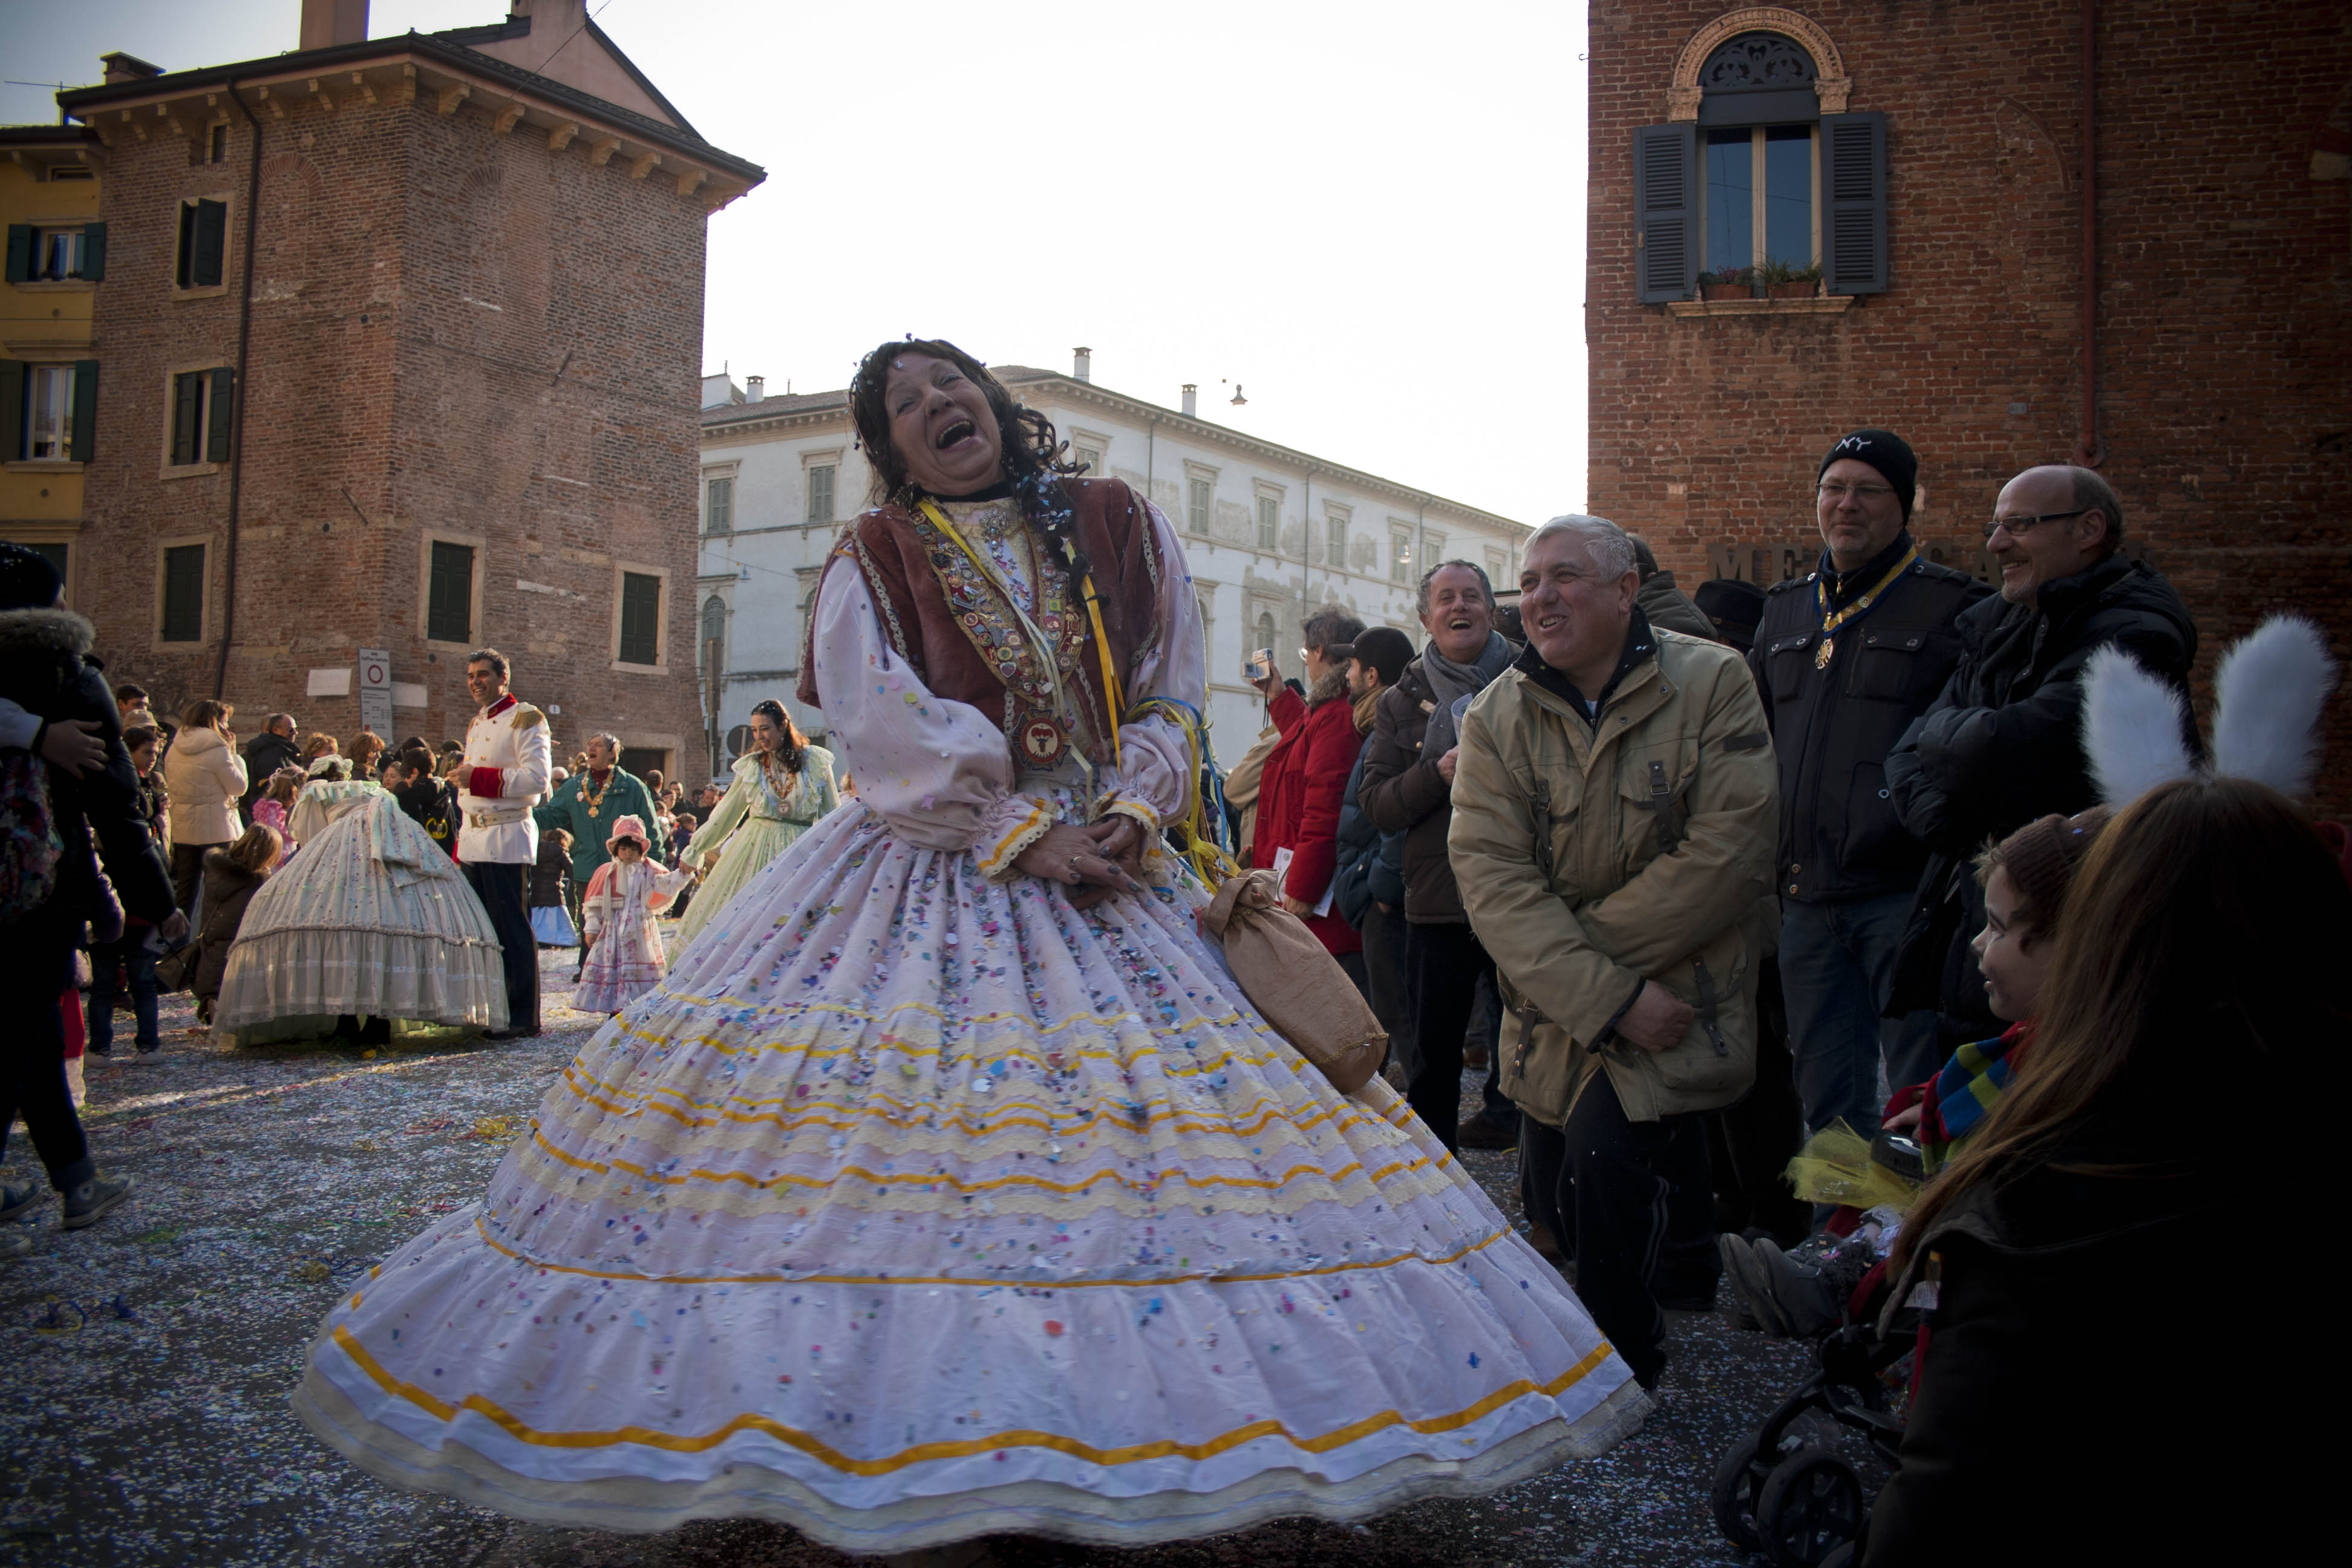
[1368,214]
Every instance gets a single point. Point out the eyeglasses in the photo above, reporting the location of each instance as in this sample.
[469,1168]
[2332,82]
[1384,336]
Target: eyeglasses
[2018,525]
[1864,493]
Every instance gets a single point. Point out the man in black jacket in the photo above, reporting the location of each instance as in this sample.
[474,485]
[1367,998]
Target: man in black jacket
[44,672]
[1845,658]
[2003,745]
[266,753]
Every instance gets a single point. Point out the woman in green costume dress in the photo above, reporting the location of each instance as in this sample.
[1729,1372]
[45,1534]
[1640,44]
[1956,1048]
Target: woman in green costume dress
[780,787]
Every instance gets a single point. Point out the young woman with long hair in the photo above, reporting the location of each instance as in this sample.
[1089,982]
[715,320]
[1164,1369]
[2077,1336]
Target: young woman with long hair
[2101,1258]
[782,787]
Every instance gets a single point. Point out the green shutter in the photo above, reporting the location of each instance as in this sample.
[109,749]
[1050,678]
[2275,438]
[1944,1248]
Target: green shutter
[449,593]
[183,593]
[93,251]
[20,252]
[1665,237]
[85,410]
[640,618]
[1854,189]
[187,409]
[185,259]
[220,415]
[212,243]
[12,410]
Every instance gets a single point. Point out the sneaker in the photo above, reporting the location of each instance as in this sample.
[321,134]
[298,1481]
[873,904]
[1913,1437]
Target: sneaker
[15,1201]
[1750,1286]
[148,1056]
[1484,1131]
[87,1202]
[1811,1282]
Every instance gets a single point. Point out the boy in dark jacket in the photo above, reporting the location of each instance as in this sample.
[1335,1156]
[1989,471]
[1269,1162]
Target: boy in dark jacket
[46,671]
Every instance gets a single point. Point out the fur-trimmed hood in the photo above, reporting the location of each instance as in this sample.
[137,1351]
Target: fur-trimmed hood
[49,629]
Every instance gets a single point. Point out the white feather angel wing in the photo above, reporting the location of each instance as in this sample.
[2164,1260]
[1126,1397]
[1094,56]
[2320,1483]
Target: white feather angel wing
[2268,690]
[2132,728]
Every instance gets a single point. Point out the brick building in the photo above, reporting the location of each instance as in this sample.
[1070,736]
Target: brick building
[399,344]
[1929,159]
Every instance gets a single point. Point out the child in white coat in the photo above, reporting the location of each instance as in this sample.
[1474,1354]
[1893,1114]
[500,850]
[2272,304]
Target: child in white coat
[625,957]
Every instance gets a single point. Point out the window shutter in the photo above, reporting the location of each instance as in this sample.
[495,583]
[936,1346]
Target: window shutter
[20,252]
[1853,180]
[186,410]
[85,410]
[211,241]
[93,252]
[1665,246]
[12,409]
[220,415]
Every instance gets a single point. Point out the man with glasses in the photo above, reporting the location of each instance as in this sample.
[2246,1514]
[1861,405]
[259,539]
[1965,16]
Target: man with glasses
[1846,657]
[2001,745]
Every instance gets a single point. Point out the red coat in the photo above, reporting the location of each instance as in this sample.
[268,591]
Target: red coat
[1299,804]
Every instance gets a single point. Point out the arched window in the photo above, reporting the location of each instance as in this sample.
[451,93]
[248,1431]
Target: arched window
[714,621]
[1762,179]
[1266,633]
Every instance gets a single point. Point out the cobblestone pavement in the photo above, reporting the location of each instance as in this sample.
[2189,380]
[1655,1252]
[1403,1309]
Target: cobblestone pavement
[147,1359]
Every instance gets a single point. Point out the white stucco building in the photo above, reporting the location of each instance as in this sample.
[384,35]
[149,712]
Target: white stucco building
[1269,532]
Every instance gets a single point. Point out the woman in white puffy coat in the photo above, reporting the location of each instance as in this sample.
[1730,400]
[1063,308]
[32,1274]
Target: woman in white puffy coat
[205,777]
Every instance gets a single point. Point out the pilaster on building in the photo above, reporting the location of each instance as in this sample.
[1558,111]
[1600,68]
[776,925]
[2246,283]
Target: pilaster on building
[395,349]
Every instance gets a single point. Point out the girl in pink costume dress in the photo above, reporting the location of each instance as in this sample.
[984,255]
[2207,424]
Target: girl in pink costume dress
[616,916]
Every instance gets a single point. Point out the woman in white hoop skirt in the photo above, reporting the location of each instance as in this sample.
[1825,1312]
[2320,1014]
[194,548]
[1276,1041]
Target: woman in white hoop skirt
[964,1192]
[369,919]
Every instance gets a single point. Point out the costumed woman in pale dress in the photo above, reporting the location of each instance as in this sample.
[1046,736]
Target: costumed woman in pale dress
[625,957]
[962,1191]
[371,920]
[782,786]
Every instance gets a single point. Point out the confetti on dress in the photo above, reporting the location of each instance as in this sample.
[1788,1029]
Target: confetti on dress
[924,1205]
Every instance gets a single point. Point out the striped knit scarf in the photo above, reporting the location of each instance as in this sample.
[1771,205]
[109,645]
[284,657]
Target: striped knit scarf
[1957,1098]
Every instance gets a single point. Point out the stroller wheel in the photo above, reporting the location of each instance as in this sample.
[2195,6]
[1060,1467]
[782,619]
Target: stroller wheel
[1738,1480]
[1809,1506]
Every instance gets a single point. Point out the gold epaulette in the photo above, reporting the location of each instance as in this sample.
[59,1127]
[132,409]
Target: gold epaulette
[525,716]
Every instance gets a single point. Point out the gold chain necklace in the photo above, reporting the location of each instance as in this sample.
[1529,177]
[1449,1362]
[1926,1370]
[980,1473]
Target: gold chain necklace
[1830,623]
[593,801]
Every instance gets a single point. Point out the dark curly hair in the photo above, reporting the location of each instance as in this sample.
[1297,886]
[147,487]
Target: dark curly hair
[1033,456]
[794,751]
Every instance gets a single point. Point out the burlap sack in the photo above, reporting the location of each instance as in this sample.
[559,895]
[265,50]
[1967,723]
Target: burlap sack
[1297,985]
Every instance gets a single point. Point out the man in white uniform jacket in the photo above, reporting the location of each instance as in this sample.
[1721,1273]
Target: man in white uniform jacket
[503,776]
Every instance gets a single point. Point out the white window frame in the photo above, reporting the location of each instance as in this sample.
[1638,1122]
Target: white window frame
[1759,246]
[43,233]
[62,374]
[1091,441]
[1267,494]
[810,463]
[1201,474]
[1337,535]
[480,545]
[711,472]
[665,606]
[1399,554]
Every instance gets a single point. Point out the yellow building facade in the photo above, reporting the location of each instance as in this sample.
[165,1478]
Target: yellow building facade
[49,406]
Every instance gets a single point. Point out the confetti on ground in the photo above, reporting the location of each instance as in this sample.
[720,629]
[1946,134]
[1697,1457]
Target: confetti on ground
[149,1357]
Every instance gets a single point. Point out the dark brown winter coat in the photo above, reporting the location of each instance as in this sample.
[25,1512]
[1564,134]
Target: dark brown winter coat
[228,887]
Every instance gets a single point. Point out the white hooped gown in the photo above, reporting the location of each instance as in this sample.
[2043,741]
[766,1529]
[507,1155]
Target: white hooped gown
[926,1206]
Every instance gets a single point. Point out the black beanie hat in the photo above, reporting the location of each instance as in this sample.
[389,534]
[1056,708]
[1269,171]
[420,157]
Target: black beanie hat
[27,581]
[1890,453]
[1385,648]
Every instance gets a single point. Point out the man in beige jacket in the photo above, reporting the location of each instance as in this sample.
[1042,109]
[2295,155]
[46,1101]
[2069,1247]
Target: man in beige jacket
[1616,808]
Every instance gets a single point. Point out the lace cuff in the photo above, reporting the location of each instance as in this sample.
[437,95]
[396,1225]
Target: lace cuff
[1008,827]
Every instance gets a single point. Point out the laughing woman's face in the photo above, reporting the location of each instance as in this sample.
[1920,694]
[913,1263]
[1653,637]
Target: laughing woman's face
[942,425]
